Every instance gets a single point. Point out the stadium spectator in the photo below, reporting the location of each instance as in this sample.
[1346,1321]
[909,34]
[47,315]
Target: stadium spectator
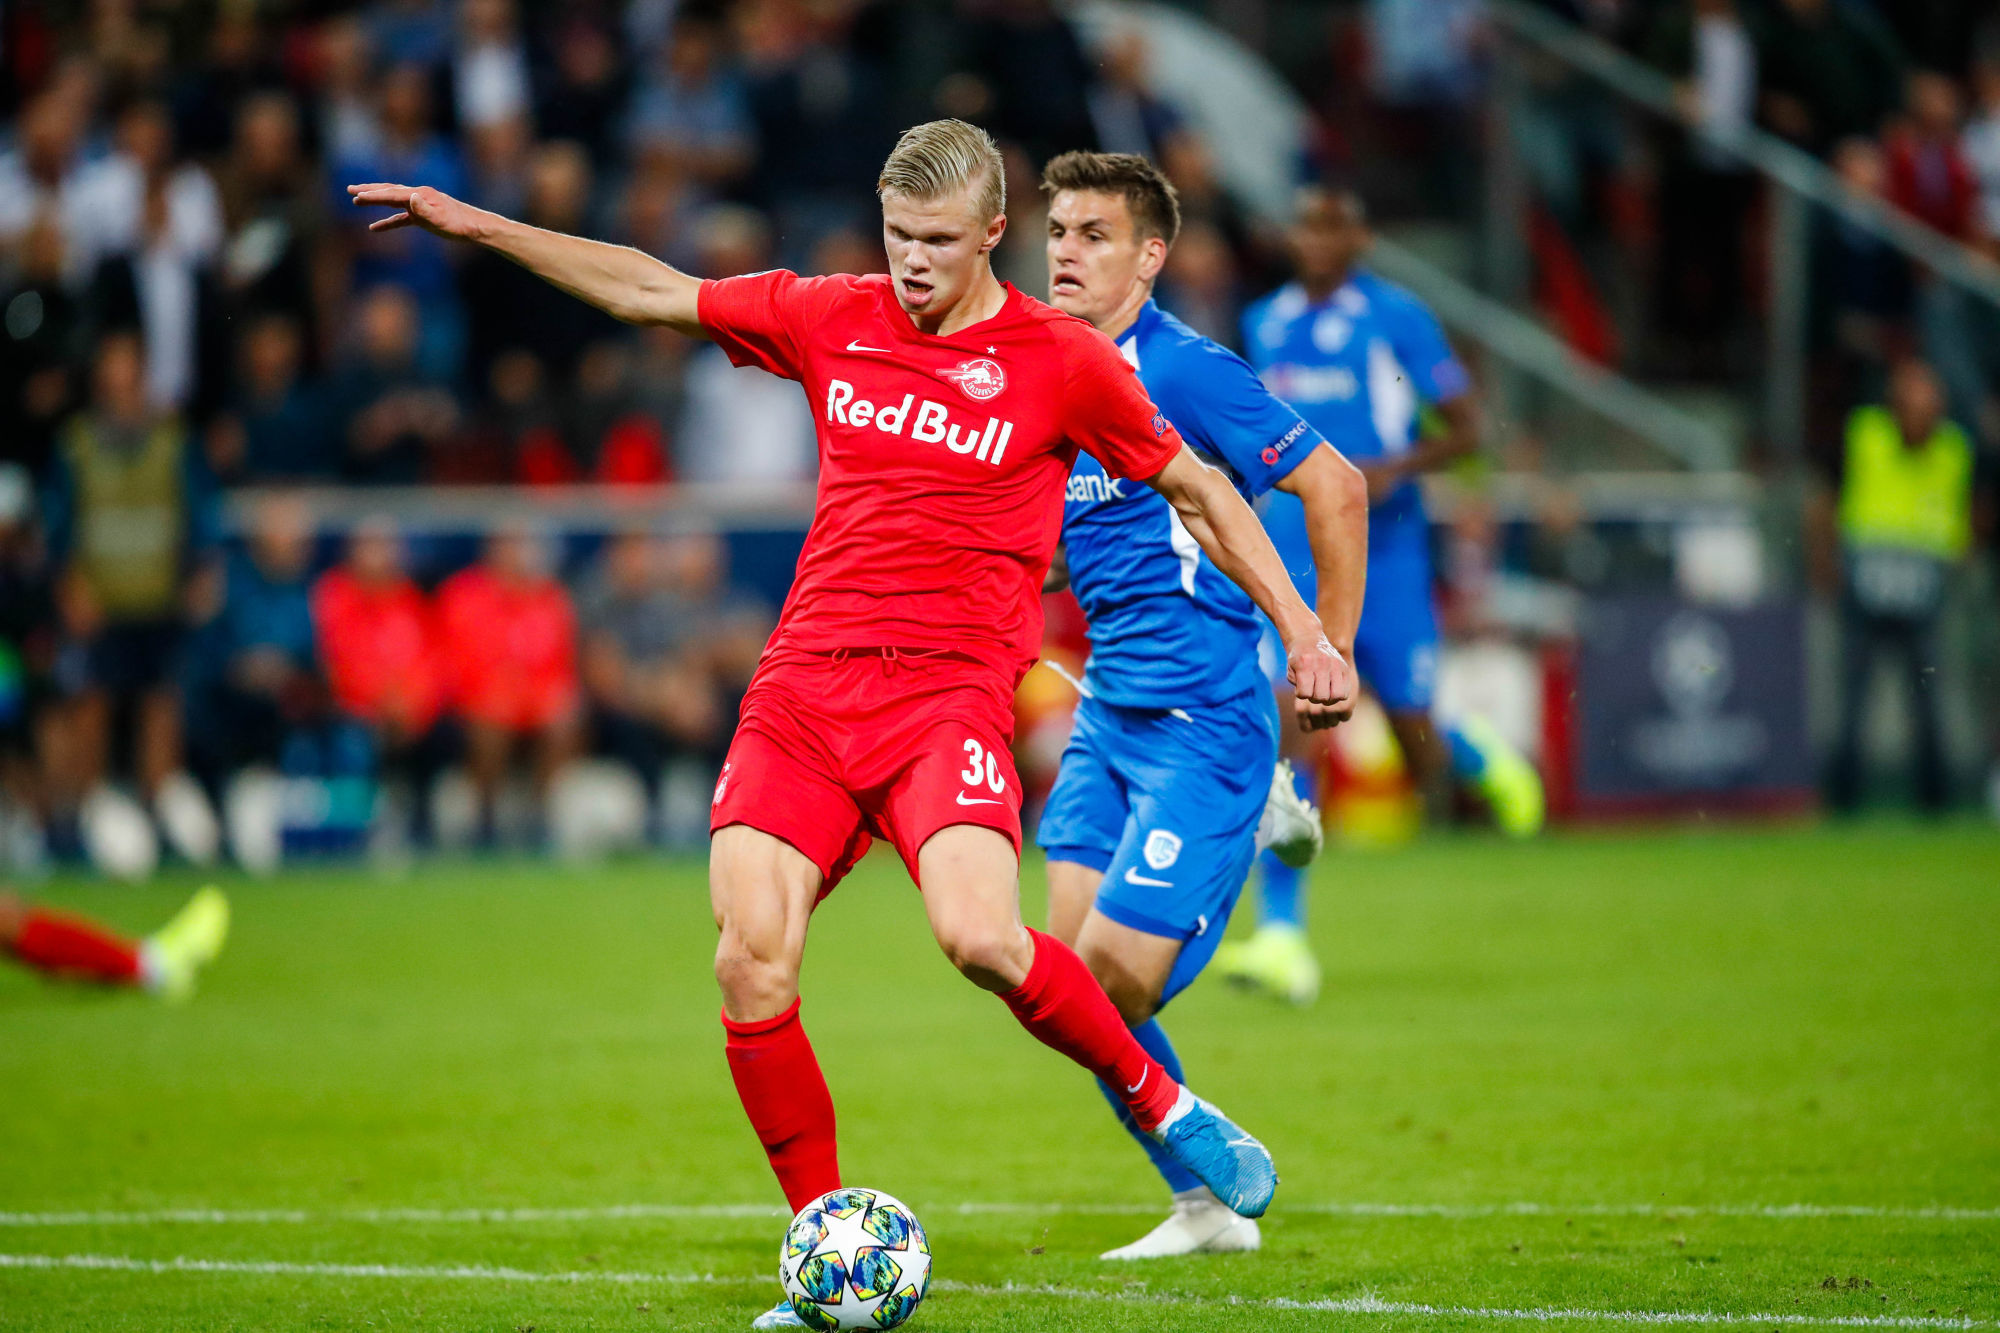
[27,657]
[383,662]
[38,173]
[349,128]
[1982,145]
[1863,295]
[489,66]
[691,115]
[653,694]
[1904,524]
[408,148]
[1830,72]
[388,414]
[132,529]
[509,637]
[275,427]
[272,216]
[741,424]
[266,702]
[583,95]
[509,308]
[1929,176]
[1126,113]
[45,325]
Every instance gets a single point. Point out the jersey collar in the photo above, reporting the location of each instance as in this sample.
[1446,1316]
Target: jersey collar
[1149,315]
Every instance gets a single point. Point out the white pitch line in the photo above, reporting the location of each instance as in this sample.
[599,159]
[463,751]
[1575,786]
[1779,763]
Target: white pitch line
[1342,1305]
[669,1211]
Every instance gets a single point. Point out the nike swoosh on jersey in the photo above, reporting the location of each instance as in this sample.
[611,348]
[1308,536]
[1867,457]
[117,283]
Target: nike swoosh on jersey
[858,346]
[976,800]
[1132,876]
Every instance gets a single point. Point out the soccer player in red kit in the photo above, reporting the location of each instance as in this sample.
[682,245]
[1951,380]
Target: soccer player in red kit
[950,407]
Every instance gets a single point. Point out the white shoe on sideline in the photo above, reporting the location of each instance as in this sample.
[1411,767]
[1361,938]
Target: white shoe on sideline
[1199,1224]
[1290,829]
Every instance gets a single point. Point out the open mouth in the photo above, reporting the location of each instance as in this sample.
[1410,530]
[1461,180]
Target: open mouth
[916,289]
[1066,283]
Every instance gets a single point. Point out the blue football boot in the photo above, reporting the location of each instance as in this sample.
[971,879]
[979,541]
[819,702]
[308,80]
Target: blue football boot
[1221,1155]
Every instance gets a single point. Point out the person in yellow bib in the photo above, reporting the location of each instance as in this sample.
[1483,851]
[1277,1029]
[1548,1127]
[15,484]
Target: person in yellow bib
[1905,523]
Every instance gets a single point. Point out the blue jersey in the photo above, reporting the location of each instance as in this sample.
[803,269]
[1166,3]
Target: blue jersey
[1359,366]
[1167,628]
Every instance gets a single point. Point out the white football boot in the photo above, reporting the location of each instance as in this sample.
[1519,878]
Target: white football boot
[1290,829]
[1199,1224]
[781,1315]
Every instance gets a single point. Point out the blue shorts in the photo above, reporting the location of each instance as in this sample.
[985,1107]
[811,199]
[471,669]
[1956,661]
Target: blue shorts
[1166,805]
[1396,647]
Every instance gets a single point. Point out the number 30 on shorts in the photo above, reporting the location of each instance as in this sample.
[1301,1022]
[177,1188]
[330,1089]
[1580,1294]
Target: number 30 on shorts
[982,765]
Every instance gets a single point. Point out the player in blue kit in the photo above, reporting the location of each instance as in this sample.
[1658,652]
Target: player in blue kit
[1155,815]
[1360,359]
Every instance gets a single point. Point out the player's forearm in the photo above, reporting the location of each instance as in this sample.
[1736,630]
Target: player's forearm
[1459,437]
[1227,530]
[626,284]
[1335,496]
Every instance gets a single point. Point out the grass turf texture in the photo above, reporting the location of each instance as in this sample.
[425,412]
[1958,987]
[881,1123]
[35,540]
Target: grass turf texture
[1642,1034]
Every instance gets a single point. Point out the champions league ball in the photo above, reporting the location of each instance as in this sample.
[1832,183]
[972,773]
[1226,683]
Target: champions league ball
[855,1258]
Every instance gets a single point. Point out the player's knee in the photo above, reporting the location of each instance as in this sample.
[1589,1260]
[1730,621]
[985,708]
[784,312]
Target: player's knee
[757,980]
[994,957]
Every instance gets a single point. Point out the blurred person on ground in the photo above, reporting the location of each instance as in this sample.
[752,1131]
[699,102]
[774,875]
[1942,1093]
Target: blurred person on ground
[133,531]
[740,423]
[509,636]
[1904,524]
[1830,71]
[28,638]
[383,660]
[389,416]
[66,947]
[691,115]
[667,652]
[274,426]
[1364,362]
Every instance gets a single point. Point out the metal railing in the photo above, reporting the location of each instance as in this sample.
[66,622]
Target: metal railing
[1801,183]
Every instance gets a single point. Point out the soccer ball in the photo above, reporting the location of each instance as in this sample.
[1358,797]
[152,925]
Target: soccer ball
[855,1258]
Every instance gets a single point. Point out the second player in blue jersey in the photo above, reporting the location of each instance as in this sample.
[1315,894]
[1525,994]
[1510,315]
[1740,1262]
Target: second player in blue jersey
[1155,814]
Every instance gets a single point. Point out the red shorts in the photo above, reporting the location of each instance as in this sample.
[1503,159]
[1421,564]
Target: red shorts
[836,748]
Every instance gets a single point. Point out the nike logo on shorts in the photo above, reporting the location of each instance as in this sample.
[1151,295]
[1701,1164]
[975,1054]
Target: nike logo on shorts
[1132,876]
[858,346]
[975,800]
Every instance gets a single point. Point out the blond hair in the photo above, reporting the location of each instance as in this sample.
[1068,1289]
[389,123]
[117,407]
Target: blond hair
[944,157]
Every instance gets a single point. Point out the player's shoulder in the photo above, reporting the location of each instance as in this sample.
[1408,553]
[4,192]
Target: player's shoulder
[1384,297]
[1066,329]
[1279,307]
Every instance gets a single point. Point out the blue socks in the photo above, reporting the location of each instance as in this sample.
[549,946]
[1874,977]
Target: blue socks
[1154,1038]
[1468,761]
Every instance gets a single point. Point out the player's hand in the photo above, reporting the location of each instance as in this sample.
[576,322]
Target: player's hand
[433,210]
[1323,684]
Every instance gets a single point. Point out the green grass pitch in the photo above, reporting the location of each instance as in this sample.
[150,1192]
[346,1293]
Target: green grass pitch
[1580,1083]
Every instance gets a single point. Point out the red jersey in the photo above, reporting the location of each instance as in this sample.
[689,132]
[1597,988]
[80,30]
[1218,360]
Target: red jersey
[380,651]
[943,459]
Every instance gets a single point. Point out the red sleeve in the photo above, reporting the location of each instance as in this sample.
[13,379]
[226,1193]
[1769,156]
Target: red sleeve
[759,318]
[1106,410]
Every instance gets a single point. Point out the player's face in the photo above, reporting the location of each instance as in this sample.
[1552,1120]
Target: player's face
[1098,262]
[1327,239]
[937,249]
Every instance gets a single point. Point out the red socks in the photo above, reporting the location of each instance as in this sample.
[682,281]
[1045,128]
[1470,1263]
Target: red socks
[1062,1004]
[74,947]
[779,1082]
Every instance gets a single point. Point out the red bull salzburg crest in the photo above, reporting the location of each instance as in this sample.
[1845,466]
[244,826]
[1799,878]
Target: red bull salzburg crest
[979,378]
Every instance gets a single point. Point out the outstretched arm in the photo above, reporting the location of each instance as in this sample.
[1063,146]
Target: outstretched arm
[624,283]
[1335,496]
[1216,516]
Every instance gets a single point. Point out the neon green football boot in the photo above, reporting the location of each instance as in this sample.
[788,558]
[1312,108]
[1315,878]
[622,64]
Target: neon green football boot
[174,954]
[1509,782]
[1278,960]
